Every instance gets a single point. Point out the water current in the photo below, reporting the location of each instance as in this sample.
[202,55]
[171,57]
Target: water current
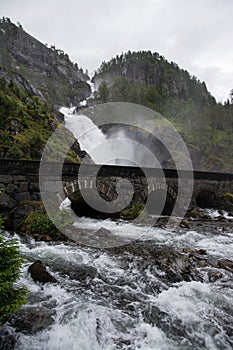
[127,301]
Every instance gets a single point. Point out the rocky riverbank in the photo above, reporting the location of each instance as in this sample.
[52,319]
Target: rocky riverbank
[127,277]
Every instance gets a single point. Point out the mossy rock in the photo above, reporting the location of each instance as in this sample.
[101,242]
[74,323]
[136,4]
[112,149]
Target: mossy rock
[196,213]
[20,212]
[133,212]
[41,227]
[226,202]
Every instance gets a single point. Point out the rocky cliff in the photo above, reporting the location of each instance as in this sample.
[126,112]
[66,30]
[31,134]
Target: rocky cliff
[49,70]
[148,79]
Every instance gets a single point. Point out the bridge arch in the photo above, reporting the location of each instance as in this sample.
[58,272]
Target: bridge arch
[207,198]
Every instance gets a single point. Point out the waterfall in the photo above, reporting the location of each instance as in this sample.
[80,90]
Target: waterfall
[114,149]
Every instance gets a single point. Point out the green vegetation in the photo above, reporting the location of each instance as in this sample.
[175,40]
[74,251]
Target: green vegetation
[39,224]
[148,79]
[26,123]
[11,298]
[132,212]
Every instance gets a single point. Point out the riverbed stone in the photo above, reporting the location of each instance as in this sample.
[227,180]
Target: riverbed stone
[77,272]
[31,319]
[39,274]
[7,338]
[214,275]
[226,264]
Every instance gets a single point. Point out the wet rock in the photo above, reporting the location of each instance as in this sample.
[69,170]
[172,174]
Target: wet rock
[121,342]
[6,202]
[195,251]
[184,224]
[221,218]
[226,202]
[226,264]
[198,214]
[20,212]
[176,266]
[85,272]
[161,222]
[214,275]
[7,338]
[39,274]
[30,319]
[102,231]
[79,272]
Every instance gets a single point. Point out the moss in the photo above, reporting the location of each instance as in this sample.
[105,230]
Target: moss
[228,196]
[39,225]
[133,212]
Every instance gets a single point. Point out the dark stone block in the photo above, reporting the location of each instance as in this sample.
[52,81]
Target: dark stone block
[11,189]
[6,202]
[22,196]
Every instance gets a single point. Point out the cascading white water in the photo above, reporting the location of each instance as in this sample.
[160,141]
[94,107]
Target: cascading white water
[85,131]
[115,149]
[113,310]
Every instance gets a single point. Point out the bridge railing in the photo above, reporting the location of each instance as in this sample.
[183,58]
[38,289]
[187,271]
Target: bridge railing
[11,166]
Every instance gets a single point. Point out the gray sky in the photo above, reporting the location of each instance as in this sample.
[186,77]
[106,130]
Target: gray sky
[196,34]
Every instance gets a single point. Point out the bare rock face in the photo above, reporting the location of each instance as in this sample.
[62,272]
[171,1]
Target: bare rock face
[39,274]
[41,65]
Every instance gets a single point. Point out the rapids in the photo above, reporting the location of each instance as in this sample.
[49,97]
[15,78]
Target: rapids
[130,303]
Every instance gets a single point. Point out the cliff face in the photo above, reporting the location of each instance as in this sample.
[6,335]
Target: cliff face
[154,71]
[34,81]
[48,70]
[148,79]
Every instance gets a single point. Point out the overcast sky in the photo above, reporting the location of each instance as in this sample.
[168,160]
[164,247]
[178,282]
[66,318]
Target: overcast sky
[196,34]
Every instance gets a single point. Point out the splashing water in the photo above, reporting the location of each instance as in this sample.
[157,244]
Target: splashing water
[114,149]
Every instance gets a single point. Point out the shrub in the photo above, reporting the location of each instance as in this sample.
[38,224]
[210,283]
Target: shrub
[40,224]
[11,298]
[133,212]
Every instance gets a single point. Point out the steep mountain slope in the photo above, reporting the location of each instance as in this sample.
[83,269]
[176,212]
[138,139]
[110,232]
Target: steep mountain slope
[149,79]
[34,81]
[26,123]
[155,71]
[48,70]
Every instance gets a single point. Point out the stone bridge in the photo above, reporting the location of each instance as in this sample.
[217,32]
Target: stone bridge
[20,181]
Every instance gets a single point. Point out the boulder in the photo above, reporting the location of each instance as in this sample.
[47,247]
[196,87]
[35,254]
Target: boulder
[76,272]
[7,338]
[20,212]
[39,274]
[214,275]
[226,202]
[198,214]
[226,264]
[31,319]
[184,224]
[6,202]
[195,251]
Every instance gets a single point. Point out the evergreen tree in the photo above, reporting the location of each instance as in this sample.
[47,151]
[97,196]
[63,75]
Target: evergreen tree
[103,92]
[11,298]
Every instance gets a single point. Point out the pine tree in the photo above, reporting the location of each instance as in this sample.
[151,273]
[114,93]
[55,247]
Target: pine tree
[11,298]
[231,96]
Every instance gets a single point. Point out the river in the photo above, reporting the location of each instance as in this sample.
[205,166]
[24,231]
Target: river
[127,300]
